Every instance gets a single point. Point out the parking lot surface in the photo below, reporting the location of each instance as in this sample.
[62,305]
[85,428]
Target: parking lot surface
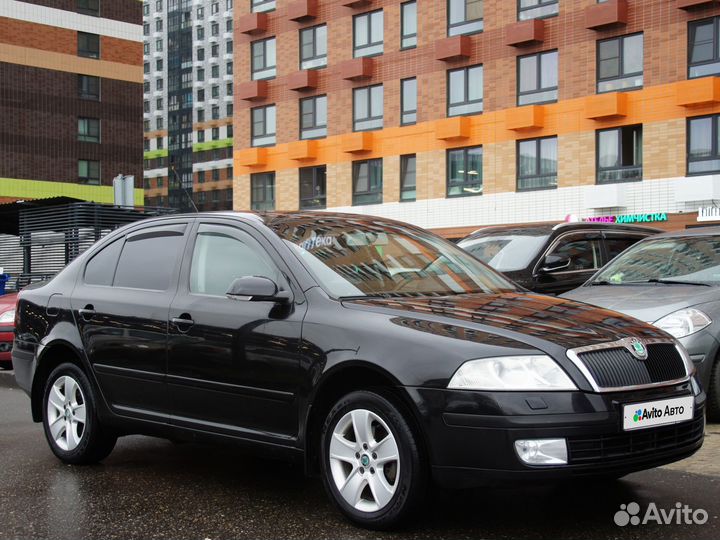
[151,488]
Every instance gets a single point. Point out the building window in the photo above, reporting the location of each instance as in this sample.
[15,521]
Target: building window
[368,34]
[703,145]
[367,182]
[89,130]
[159,143]
[464,172]
[200,33]
[146,29]
[465,91]
[263,59]
[537,164]
[215,112]
[313,188]
[408,101]
[620,63]
[159,25]
[214,29]
[215,50]
[704,48]
[538,78]
[619,155]
[229,68]
[313,117]
[201,95]
[88,45]
[465,17]
[201,135]
[200,13]
[215,175]
[262,5]
[229,47]
[407,178]
[200,53]
[536,9]
[368,108]
[89,172]
[201,177]
[214,8]
[262,192]
[89,87]
[89,7]
[214,92]
[215,134]
[408,22]
[263,125]
[313,47]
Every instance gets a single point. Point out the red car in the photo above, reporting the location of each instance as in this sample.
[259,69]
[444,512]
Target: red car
[7,328]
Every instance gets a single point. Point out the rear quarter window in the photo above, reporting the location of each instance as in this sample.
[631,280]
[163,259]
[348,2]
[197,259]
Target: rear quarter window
[100,270]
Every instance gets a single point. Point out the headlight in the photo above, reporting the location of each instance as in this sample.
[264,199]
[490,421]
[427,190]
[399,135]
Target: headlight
[511,373]
[683,322]
[7,317]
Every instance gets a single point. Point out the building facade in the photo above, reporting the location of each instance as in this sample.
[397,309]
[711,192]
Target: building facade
[70,98]
[188,103]
[453,114]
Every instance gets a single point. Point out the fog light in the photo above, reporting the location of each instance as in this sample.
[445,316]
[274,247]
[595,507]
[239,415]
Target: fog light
[542,451]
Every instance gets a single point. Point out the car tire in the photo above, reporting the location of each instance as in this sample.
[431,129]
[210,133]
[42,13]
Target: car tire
[70,420]
[361,434]
[713,393]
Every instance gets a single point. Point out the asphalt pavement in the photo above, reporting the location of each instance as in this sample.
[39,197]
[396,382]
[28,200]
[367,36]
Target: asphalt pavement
[150,488]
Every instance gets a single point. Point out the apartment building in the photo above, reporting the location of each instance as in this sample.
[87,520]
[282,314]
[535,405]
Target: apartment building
[188,103]
[453,114]
[70,98]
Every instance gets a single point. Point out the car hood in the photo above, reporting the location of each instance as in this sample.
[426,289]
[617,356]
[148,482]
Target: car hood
[645,302]
[544,322]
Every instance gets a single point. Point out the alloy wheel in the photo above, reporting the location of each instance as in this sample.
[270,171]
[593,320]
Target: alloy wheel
[66,414]
[364,460]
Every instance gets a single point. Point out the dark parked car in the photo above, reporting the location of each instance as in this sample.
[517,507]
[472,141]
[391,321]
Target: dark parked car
[377,354]
[552,259]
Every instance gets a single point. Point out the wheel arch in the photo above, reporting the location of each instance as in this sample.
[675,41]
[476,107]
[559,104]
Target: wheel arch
[340,380]
[50,356]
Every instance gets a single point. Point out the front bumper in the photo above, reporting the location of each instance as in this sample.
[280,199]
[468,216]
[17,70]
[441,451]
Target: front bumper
[6,342]
[471,435]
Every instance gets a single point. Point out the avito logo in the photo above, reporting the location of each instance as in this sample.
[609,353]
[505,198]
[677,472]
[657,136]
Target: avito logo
[681,514]
[653,412]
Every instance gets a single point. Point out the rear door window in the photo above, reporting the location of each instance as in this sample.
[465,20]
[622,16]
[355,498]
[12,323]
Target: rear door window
[615,245]
[150,257]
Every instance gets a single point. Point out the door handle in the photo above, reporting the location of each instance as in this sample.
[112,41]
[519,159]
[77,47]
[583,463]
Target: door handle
[182,323]
[87,313]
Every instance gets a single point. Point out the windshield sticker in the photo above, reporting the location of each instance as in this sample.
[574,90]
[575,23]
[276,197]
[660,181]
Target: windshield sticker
[317,242]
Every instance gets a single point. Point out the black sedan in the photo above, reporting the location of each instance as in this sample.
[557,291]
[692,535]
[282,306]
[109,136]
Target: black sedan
[378,355]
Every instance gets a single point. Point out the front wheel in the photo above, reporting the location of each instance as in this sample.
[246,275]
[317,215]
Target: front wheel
[72,427]
[372,463]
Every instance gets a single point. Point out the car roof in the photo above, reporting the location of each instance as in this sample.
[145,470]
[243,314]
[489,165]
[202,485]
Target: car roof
[271,218]
[549,228]
[686,233]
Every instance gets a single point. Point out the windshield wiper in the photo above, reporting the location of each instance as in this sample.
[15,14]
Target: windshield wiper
[678,282]
[604,282]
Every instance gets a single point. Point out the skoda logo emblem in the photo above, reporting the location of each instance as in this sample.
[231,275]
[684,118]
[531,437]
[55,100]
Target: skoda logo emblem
[637,349]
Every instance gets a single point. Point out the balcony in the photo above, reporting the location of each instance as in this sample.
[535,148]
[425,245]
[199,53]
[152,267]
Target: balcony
[698,92]
[306,79]
[604,106]
[601,16]
[354,143]
[689,4]
[450,129]
[357,69]
[453,48]
[252,23]
[302,150]
[252,157]
[252,90]
[523,33]
[302,10]
[523,118]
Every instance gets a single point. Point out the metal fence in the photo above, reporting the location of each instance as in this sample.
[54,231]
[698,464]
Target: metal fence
[49,237]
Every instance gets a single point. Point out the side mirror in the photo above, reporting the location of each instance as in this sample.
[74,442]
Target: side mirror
[554,263]
[257,289]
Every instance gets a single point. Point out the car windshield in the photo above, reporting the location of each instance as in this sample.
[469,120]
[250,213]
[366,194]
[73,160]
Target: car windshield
[506,252]
[358,257]
[684,260]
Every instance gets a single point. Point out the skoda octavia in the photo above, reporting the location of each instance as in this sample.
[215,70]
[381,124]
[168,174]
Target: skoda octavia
[376,354]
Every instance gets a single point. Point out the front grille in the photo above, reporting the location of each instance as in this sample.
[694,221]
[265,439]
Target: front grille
[617,367]
[604,448]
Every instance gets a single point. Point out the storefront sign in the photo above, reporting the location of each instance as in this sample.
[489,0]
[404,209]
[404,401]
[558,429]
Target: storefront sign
[709,213]
[630,218]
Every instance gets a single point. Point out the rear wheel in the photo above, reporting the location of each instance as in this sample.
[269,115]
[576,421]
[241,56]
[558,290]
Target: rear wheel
[713,391]
[371,461]
[72,427]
